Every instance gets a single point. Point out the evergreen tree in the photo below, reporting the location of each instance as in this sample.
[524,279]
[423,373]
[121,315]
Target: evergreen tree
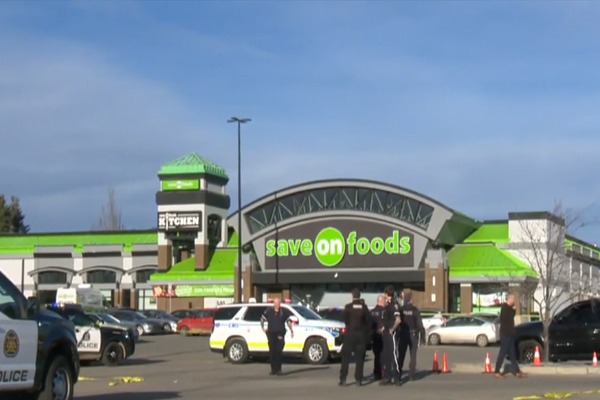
[12,219]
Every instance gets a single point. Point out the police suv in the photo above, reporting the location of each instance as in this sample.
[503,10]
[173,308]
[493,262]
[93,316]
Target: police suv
[96,342]
[39,350]
[237,333]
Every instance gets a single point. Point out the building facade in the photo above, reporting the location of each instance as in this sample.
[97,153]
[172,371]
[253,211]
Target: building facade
[311,243]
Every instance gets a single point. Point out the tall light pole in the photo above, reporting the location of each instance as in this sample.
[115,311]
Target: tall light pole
[239,122]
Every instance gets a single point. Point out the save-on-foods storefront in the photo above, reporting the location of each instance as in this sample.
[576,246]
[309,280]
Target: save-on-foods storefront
[312,243]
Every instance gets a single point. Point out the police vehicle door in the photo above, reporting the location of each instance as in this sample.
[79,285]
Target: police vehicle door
[89,337]
[18,336]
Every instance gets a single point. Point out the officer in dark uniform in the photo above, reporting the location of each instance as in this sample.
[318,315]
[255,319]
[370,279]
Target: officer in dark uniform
[376,336]
[276,323]
[411,327]
[358,324]
[391,323]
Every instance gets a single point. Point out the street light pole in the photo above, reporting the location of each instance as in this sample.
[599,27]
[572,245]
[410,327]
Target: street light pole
[239,121]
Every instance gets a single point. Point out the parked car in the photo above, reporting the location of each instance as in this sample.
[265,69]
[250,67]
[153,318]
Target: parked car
[432,317]
[573,334]
[237,333]
[200,322]
[169,320]
[180,314]
[108,320]
[144,325]
[332,313]
[465,330]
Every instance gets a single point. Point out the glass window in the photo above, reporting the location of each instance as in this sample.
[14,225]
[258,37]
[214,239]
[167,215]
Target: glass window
[52,277]
[226,313]
[254,313]
[101,276]
[9,305]
[306,313]
[143,276]
[81,320]
[455,322]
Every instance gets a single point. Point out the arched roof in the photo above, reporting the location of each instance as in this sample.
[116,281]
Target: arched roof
[309,200]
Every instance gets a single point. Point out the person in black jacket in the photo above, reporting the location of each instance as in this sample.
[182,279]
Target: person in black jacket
[410,329]
[376,337]
[276,321]
[507,339]
[358,324]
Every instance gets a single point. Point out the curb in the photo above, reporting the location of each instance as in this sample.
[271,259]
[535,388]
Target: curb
[543,370]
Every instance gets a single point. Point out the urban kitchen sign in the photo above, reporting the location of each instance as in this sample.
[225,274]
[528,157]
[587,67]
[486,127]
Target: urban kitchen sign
[172,222]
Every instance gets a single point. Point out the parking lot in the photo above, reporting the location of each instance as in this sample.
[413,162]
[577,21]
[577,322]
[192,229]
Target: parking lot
[175,367]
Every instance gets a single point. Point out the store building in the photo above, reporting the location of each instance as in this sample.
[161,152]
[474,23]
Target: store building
[312,243]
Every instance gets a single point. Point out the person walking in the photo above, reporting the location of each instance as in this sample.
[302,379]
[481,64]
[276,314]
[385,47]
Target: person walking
[391,323]
[358,323]
[410,330]
[376,336]
[507,339]
[276,322]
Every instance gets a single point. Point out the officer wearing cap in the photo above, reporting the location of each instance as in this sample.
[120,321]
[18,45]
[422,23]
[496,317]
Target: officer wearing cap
[411,327]
[376,336]
[391,323]
[358,323]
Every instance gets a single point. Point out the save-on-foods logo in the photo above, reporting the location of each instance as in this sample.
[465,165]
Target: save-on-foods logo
[330,246]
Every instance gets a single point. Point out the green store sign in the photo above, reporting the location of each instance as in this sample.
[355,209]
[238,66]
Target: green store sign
[204,290]
[330,246]
[183,184]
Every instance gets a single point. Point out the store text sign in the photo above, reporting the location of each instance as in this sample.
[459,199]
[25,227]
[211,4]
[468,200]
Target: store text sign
[340,244]
[173,221]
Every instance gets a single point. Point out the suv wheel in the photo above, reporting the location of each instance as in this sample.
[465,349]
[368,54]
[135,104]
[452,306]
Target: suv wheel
[58,382]
[316,351]
[527,351]
[236,351]
[113,354]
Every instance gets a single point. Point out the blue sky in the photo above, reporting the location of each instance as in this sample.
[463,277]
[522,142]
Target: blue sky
[488,107]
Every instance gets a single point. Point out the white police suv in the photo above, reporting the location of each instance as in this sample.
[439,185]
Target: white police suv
[39,357]
[237,333]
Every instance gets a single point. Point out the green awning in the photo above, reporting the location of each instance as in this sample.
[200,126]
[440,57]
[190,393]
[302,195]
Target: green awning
[490,232]
[486,261]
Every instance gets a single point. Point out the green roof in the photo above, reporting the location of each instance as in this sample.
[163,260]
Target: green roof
[486,260]
[496,232]
[220,266]
[192,163]
[26,243]
[594,251]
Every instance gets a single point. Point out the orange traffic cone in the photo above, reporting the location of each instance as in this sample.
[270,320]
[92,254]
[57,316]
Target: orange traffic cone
[537,362]
[487,368]
[595,360]
[445,369]
[436,367]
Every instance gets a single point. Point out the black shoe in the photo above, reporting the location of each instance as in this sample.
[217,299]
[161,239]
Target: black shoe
[271,373]
[385,382]
[342,382]
[359,382]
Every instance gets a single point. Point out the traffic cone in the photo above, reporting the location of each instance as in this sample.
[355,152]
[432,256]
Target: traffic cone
[445,369]
[595,360]
[487,368]
[436,367]
[537,362]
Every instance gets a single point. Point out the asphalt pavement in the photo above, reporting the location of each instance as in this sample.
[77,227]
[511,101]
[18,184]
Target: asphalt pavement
[174,367]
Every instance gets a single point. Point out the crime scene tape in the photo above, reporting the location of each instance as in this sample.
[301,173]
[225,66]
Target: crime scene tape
[125,379]
[86,379]
[557,395]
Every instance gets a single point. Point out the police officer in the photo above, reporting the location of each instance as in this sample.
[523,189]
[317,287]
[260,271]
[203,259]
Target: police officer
[391,323]
[411,327]
[376,336]
[276,323]
[358,323]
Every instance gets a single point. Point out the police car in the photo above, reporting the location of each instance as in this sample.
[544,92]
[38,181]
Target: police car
[39,357]
[237,333]
[95,342]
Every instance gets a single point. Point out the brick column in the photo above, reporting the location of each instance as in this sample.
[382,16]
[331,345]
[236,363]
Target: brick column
[133,299]
[202,254]
[466,298]
[436,280]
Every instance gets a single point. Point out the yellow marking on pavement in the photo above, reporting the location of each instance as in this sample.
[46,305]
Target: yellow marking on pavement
[86,379]
[125,379]
[557,395]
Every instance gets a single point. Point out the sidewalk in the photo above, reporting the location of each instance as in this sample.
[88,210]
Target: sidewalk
[547,369]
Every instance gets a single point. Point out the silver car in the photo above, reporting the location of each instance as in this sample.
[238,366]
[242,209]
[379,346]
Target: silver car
[145,325]
[110,321]
[465,330]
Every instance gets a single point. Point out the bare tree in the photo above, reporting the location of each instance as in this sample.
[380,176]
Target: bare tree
[541,243]
[110,215]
